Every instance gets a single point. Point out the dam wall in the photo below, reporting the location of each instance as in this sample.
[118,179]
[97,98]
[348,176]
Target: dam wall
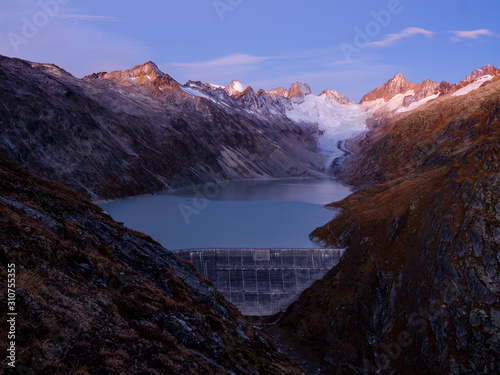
[262,282]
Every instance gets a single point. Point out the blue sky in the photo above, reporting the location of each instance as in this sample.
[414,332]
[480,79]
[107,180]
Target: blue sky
[349,46]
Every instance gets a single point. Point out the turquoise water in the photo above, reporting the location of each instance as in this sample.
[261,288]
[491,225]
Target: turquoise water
[249,214]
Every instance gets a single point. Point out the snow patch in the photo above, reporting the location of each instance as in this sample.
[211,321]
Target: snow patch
[415,105]
[473,86]
[194,92]
[392,105]
[215,86]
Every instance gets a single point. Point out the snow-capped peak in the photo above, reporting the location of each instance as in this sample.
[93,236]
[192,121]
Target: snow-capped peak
[395,86]
[235,87]
[336,97]
[149,70]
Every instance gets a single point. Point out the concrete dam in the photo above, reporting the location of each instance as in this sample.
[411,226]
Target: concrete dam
[262,282]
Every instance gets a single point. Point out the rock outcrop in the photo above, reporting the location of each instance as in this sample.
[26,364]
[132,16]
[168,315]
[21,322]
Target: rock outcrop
[299,90]
[396,85]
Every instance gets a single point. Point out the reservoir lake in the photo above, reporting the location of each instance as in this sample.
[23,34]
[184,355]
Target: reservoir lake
[242,214]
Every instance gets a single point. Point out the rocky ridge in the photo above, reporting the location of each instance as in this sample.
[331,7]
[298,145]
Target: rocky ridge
[398,95]
[399,85]
[478,73]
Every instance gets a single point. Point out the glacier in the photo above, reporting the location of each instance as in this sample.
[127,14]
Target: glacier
[336,123]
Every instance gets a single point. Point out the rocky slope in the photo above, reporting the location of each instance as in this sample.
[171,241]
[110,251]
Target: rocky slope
[418,291]
[93,297]
[139,131]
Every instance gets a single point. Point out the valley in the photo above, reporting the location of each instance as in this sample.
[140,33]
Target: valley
[415,291]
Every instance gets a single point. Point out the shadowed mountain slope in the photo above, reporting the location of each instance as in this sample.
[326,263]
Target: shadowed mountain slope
[120,134]
[94,297]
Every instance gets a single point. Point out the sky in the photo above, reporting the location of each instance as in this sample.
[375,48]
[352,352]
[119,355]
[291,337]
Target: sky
[349,46]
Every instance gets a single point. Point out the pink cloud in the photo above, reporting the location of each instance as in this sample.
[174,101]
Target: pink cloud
[230,60]
[474,34]
[390,39]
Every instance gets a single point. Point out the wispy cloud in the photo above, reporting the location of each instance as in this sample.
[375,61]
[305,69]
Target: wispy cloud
[230,60]
[320,68]
[242,65]
[87,17]
[409,32]
[473,34]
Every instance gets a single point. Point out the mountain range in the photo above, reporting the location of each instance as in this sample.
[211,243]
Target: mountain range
[118,134]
